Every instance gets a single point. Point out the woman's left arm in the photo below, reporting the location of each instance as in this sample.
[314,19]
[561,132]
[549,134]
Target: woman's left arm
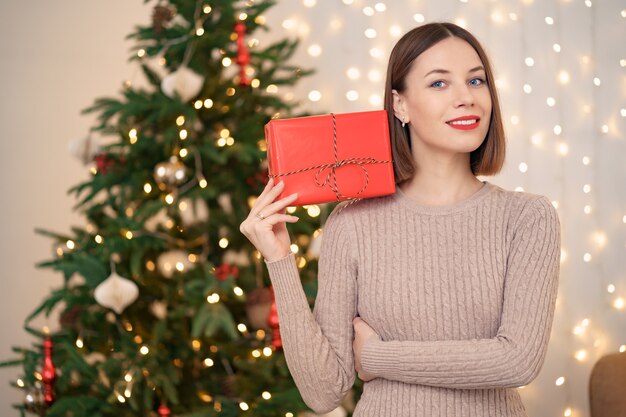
[515,355]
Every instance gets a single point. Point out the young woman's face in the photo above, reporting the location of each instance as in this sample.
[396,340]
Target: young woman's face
[446,99]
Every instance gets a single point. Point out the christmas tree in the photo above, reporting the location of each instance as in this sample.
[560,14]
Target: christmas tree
[165,307]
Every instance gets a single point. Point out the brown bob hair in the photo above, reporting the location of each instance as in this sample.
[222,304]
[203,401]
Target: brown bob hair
[489,157]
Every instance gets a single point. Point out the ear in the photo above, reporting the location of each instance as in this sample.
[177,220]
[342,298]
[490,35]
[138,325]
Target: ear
[399,107]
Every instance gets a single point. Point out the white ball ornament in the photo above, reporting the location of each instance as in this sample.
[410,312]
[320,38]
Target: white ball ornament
[225,203]
[116,293]
[241,258]
[193,211]
[172,172]
[171,261]
[84,149]
[184,82]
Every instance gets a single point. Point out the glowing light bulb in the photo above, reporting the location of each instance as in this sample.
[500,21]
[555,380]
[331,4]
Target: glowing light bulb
[376,53]
[581,355]
[374,75]
[586,160]
[610,288]
[267,351]
[380,7]
[556,47]
[549,20]
[587,209]
[288,24]
[213,298]
[238,291]
[536,139]
[309,3]
[563,149]
[419,18]
[266,395]
[596,81]
[352,95]
[370,33]
[244,406]
[587,257]
[208,362]
[563,77]
[529,61]
[619,303]
[567,412]
[314,50]
[527,88]
[586,188]
[557,129]
[368,11]
[144,350]
[560,381]
[461,22]
[395,31]
[523,167]
[353,73]
[550,101]
[375,100]
[226,61]
[515,119]
[315,95]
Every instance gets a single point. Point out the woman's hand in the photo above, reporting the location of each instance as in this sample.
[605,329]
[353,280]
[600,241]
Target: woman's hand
[362,333]
[265,225]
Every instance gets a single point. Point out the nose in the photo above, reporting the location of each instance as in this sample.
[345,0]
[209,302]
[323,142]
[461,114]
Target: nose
[463,96]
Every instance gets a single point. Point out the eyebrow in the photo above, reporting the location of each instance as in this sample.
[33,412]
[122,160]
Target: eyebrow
[443,71]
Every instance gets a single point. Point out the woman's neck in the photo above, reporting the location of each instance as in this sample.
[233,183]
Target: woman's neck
[442,181]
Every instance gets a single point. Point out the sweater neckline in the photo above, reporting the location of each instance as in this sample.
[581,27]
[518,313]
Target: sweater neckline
[471,201]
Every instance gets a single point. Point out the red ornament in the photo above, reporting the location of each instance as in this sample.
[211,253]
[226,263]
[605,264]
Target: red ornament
[49,373]
[272,321]
[258,179]
[224,271]
[164,411]
[104,161]
[243,55]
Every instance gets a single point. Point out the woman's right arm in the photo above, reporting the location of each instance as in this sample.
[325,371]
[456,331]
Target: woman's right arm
[318,344]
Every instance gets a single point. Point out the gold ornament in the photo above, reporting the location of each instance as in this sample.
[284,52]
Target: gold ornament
[170,173]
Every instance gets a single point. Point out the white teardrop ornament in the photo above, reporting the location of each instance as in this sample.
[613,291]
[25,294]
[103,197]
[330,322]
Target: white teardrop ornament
[116,293]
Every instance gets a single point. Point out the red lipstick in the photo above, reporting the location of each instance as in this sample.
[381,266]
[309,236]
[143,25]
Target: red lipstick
[464,122]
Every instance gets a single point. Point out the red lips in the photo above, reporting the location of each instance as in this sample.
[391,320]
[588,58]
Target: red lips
[464,126]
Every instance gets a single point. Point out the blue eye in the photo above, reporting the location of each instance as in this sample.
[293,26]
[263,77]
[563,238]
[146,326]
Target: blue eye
[477,81]
[437,84]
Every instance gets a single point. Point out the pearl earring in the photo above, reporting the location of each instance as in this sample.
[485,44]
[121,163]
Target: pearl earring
[403,122]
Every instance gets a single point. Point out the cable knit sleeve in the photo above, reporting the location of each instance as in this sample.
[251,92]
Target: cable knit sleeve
[318,345]
[515,355]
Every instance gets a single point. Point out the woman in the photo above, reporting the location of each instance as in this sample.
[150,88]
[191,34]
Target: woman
[440,296]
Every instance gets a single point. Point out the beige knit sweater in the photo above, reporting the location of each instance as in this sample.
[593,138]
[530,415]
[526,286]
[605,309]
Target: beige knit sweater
[462,297]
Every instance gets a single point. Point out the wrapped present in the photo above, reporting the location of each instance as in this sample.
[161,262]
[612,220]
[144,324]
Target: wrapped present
[331,157]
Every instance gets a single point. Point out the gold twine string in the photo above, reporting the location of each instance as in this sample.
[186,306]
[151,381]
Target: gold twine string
[331,178]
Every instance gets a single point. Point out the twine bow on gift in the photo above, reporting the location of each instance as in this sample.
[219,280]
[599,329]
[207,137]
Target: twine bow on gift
[331,178]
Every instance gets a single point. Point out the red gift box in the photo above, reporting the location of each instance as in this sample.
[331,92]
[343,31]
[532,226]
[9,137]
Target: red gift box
[331,157]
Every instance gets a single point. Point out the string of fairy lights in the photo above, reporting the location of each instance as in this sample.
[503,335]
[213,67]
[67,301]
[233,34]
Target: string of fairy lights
[554,141]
